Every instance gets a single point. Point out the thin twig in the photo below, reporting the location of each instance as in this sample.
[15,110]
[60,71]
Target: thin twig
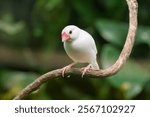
[133,10]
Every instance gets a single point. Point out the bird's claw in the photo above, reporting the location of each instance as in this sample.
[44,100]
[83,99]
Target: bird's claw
[85,69]
[66,68]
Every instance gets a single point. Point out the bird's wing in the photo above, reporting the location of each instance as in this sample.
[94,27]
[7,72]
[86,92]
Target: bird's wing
[94,46]
[89,38]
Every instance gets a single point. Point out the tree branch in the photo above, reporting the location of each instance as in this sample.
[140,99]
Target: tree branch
[133,10]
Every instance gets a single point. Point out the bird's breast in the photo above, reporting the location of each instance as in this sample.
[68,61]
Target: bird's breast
[78,52]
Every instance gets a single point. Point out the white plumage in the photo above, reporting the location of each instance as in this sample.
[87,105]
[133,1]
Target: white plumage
[80,47]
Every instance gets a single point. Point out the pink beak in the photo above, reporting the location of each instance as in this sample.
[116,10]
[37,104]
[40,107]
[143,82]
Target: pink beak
[65,37]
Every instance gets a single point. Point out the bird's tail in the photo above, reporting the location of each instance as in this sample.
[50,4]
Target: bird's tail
[95,65]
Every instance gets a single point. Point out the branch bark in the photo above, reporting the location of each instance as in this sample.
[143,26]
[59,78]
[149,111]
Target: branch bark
[133,10]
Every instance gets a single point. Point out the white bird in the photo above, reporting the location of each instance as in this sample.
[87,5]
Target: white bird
[80,47]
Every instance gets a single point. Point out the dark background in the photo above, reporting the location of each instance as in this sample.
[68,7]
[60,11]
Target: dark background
[30,45]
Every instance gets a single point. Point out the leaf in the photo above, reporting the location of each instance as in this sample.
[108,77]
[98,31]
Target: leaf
[51,4]
[10,28]
[130,79]
[143,35]
[85,10]
[13,82]
[115,32]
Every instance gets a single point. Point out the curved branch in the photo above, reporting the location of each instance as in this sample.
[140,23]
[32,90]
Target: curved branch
[133,10]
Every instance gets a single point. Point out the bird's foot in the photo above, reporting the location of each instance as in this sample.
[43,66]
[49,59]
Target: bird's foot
[66,68]
[85,69]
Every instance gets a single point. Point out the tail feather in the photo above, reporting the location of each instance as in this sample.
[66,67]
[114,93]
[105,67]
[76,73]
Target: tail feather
[95,65]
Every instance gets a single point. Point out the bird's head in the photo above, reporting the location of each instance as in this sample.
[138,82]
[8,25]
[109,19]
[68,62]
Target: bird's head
[70,33]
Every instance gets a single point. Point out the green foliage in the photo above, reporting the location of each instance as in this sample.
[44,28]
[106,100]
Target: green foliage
[12,82]
[115,32]
[131,79]
[35,25]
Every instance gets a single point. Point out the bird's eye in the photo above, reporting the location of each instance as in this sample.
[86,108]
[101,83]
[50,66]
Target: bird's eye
[70,32]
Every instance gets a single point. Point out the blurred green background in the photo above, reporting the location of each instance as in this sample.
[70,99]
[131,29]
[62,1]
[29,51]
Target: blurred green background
[30,45]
